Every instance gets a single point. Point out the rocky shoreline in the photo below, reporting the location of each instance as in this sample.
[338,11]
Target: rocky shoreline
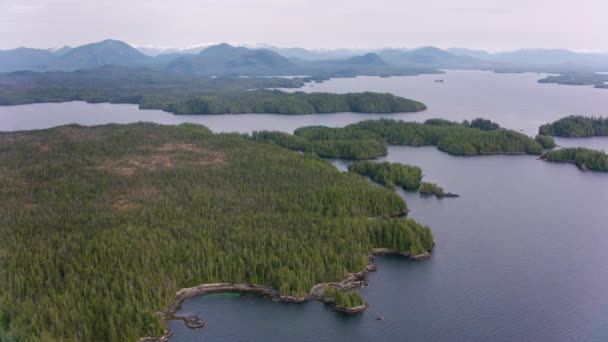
[352,280]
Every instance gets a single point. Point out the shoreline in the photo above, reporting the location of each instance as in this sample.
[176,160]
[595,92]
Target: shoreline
[352,280]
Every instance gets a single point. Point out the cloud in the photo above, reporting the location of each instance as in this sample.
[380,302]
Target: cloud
[495,24]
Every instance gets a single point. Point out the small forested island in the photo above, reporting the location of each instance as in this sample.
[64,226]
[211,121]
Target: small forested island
[189,94]
[576,126]
[578,78]
[369,139]
[432,189]
[389,174]
[583,158]
[105,227]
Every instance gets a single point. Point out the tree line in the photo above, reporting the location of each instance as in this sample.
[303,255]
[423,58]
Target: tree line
[368,139]
[583,158]
[576,126]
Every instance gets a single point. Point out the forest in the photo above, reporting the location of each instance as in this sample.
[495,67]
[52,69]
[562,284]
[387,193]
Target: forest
[102,225]
[189,94]
[279,102]
[389,174]
[546,141]
[431,189]
[368,139]
[576,126]
[344,299]
[583,158]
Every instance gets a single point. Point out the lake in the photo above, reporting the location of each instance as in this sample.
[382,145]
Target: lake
[521,255]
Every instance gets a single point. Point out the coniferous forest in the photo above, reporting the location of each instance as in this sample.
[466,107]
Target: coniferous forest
[389,174]
[189,94]
[576,126]
[583,158]
[101,226]
[368,139]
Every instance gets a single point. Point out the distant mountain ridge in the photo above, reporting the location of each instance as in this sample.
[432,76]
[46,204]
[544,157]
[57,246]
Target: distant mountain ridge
[227,59]
[263,60]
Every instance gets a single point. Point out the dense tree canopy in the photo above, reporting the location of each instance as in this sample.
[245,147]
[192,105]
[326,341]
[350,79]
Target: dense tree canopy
[368,139]
[584,158]
[344,299]
[187,94]
[101,226]
[428,189]
[278,102]
[389,174]
[545,141]
[576,126]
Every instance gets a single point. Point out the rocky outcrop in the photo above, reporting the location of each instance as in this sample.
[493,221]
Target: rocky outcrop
[352,310]
[447,194]
[352,280]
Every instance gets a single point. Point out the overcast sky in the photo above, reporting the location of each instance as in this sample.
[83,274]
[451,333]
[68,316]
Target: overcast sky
[490,24]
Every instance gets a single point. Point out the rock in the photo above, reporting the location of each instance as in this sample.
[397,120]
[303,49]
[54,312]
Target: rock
[423,256]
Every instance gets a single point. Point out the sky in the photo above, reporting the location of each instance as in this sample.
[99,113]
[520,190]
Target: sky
[494,25]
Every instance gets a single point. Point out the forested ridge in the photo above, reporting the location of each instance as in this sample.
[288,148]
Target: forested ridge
[101,226]
[188,94]
[583,158]
[576,126]
[369,139]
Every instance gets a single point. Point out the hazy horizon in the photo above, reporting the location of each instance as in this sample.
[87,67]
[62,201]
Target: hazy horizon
[313,24]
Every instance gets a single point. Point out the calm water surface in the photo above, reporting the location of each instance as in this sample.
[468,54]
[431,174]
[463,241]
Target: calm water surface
[521,256]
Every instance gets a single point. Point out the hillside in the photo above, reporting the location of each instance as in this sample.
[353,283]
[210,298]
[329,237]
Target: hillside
[25,59]
[107,52]
[225,59]
[107,223]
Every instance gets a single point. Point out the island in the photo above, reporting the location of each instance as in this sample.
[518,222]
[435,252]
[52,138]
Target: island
[369,139]
[597,80]
[127,221]
[432,189]
[575,126]
[584,158]
[181,93]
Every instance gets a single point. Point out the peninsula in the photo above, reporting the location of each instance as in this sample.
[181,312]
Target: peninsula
[112,221]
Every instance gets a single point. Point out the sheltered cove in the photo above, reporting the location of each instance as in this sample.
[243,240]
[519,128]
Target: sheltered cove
[352,280]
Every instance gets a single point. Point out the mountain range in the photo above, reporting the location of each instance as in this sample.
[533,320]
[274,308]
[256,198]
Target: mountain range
[225,59]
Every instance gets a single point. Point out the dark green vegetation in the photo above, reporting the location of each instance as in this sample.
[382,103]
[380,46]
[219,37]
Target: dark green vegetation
[479,123]
[576,126]
[578,78]
[584,158]
[389,174]
[546,141]
[311,140]
[368,139]
[429,189]
[483,124]
[344,299]
[278,102]
[184,94]
[101,226]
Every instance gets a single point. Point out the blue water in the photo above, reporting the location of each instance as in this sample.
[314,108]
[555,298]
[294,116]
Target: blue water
[520,256]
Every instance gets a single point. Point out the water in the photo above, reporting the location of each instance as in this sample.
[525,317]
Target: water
[520,256]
